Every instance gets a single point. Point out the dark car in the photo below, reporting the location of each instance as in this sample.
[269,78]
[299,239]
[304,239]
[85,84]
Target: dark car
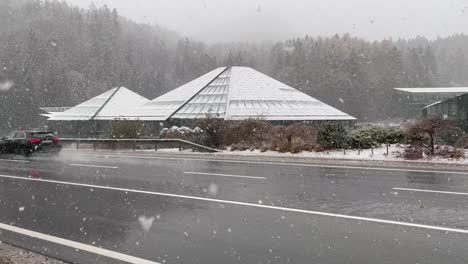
[26,142]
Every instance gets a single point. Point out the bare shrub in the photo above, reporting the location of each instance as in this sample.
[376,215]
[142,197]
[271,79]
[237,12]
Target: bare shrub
[450,153]
[252,132]
[240,147]
[424,132]
[320,148]
[214,131]
[413,153]
[294,138]
[264,148]
[458,154]
[462,142]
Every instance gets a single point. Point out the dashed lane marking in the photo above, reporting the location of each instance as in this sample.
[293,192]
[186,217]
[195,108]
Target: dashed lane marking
[225,175]
[94,166]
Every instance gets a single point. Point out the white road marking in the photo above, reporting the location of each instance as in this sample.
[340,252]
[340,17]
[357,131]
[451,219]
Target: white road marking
[225,175]
[94,166]
[285,163]
[429,191]
[14,160]
[76,245]
[359,218]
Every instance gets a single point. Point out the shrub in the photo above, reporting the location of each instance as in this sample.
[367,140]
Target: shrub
[394,136]
[425,132]
[450,153]
[214,131]
[294,138]
[362,138]
[332,135]
[123,128]
[264,148]
[413,153]
[462,142]
[240,147]
[449,136]
[196,135]
[373,136]
[279,141]
[458,154]
[298,145]
[252,132]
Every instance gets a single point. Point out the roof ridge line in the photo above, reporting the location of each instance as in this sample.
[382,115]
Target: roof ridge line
[226,114]
[105,103]
[193,96]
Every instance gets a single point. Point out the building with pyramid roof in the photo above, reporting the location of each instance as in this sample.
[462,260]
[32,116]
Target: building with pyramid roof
[94,116]
[237,93]
[109,105]
[229,93]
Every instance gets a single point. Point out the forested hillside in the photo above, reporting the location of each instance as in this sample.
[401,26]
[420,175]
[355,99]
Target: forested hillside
[59,55]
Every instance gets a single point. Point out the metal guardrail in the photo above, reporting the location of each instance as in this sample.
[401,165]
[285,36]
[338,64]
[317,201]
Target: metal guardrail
[180,143]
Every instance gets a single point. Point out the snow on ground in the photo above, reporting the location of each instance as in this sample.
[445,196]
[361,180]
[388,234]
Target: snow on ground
[365,154]
[377,154]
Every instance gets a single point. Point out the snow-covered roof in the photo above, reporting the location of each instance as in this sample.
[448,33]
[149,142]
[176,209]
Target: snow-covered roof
[235,93]
[253,94]
[54,109]
[434,90]
[164,106]
[210,100]
[110,105]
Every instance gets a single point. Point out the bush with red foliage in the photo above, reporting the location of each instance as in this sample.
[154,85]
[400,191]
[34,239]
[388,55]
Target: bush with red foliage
[246,134]
[294,138]
[213,130]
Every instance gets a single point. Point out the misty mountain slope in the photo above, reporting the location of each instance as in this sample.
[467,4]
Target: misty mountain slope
[59,55]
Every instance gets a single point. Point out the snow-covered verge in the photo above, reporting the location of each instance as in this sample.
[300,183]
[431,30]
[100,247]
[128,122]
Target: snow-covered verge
[13,255]
[395,153]
[377,154]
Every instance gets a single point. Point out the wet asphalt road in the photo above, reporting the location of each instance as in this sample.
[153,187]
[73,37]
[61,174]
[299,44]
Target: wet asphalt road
[201,211]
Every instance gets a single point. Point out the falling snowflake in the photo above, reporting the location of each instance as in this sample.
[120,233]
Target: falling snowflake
[6,85]
[146,222]
[213,189]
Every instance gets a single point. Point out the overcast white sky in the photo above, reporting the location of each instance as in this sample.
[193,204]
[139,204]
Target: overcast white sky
[258,20]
